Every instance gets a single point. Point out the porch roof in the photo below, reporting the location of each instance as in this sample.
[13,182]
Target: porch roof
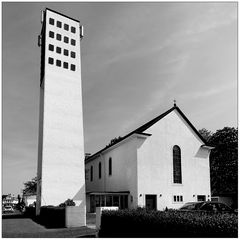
[109,193]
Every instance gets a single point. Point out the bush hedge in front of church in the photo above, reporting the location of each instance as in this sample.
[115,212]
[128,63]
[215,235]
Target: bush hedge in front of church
[172,223]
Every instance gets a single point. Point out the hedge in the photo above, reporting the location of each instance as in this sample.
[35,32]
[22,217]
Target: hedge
[52,217]
[172,223]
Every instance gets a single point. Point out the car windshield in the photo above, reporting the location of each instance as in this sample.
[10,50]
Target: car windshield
[191,206]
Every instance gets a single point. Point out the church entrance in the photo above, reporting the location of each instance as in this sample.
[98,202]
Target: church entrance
[151,202]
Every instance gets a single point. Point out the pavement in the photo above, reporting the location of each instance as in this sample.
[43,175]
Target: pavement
[18,226]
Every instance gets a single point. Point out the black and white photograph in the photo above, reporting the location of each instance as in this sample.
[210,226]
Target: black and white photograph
[119,119]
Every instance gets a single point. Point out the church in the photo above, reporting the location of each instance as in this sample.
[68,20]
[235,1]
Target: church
[162,164]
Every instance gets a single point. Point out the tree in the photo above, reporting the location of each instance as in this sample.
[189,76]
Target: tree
[224,161]
[114,140]
[205,134]
[30,186]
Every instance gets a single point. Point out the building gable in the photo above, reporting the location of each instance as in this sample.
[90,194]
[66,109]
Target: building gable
[142,129]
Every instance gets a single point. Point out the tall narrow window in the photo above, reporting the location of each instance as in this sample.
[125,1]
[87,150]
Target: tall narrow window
[100,170]
[91,173]
[177,171]
[110,166]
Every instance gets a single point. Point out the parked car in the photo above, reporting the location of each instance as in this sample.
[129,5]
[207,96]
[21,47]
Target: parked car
[8,209]
[207,207]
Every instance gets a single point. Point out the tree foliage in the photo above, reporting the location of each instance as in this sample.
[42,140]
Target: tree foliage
[205,134]
[224,161]
[30,187]
[114,140]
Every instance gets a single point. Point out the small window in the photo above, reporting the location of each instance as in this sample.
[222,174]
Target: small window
[100,170]
[110,166]
[66,39]
[50,60]
[51,47]
[59,24]
[201,198]
[58,50]
[73,54]
[178,198]
[73,42]
[59,37]
[91,174]
[73,67]
[58,63]
[65,52]
[51,34]
[66,27]
[73,29]
[65,65]
[51,21]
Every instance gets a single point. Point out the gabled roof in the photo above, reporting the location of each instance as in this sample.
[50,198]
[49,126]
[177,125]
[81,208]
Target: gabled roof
[147,125]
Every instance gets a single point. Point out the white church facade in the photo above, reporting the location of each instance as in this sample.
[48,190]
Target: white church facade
[163,163]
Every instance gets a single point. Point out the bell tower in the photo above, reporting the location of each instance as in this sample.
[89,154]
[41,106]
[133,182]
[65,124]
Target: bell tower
[61,144]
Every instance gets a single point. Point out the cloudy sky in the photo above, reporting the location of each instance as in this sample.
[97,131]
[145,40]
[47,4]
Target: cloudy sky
[136,59]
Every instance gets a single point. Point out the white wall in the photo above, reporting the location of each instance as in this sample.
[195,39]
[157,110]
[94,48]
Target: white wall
[155,163]
[61,154]
[124,170]
[144,165]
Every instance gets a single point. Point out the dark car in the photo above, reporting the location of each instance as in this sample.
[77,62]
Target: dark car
[207,207]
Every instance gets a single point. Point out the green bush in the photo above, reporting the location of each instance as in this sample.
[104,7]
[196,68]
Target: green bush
[68,202]
[172,223]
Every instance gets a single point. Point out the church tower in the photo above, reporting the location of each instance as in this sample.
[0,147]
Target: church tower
[61,144]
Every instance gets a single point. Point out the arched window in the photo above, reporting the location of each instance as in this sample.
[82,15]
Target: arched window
[110,166]
[99,170]
[91,174]
[177,170]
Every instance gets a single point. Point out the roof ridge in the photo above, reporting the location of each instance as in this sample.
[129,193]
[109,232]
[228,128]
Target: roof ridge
[137,130]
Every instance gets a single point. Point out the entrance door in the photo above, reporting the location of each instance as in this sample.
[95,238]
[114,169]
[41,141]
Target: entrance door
[92,204]
[151,202]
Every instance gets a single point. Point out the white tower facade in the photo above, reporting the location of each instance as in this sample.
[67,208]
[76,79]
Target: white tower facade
[61,144]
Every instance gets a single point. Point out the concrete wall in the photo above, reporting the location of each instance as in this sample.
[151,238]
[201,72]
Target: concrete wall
[61,153]
[155,163]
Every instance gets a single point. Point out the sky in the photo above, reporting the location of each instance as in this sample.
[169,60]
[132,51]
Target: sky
[136,57]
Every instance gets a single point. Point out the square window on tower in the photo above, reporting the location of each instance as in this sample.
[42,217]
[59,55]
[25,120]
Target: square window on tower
[73,42]
[73,29]
[50,47]
[65,65]
[50,60]
[73,67]
[66,39]
[66,27]
[51,34]
[58,50]
[51,21]
[59,24]
[59,37]
[58,63]
[73,54]
[65,52]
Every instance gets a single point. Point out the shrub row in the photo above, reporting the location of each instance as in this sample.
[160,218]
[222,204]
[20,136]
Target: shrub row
[172,223]
[52,217]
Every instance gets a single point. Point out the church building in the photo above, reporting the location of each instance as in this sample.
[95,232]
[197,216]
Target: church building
[164,163]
